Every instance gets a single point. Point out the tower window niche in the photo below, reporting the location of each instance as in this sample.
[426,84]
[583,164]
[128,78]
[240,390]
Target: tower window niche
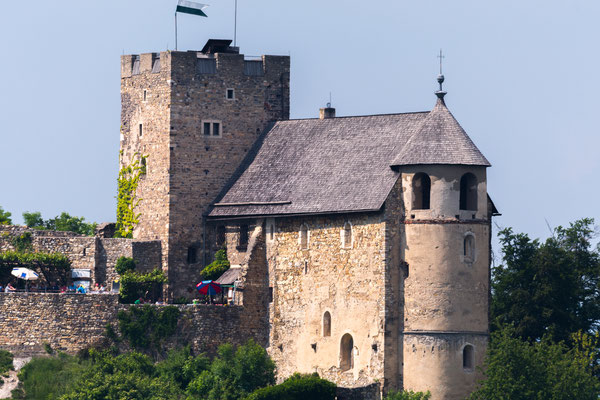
[468,357]
[347,236]
[346,356]
[469,248]
[421,186]
[326,324]
[468,192]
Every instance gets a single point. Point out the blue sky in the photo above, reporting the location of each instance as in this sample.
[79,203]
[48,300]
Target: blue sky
[521,79]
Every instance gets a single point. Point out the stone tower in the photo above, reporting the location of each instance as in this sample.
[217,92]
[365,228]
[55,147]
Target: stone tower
[190,118]
[446,246]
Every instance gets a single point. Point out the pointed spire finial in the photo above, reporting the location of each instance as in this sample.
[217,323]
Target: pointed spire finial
[440,93]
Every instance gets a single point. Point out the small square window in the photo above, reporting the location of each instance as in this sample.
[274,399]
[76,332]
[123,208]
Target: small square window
[216,129]
[207,128]
[230,94]
[141,129]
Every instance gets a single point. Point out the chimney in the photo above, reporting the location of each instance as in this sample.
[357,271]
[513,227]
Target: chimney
[327,112]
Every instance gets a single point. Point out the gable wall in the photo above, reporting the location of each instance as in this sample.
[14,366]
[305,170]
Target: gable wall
[349,283]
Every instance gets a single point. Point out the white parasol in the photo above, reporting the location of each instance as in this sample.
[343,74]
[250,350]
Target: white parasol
[24,273]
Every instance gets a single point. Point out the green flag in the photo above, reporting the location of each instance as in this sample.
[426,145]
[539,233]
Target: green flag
[189,7]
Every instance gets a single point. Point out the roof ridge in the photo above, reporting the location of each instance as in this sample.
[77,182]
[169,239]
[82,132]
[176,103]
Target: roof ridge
[355,116]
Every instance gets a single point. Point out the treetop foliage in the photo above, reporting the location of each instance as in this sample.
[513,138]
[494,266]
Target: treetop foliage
[519,370]
[550,287]
[63,222]
[5,217]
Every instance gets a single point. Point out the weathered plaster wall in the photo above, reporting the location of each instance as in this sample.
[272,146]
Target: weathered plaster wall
[435,362]
[349,283]
[446,293]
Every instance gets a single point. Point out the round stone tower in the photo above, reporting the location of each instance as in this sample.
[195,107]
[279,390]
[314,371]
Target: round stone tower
[446,246]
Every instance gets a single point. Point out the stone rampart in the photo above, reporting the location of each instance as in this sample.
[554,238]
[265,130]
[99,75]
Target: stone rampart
[97,254]
[71,322]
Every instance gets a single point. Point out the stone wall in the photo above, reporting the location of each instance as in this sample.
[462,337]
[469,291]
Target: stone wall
[187,169]
[99,255]
[347,281]
[71,322]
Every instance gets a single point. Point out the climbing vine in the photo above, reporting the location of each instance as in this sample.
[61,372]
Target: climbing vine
[129,178]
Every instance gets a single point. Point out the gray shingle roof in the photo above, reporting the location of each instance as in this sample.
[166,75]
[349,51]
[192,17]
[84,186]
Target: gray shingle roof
[440,140]
[342,164]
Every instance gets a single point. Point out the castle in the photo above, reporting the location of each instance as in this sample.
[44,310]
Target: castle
[360,246]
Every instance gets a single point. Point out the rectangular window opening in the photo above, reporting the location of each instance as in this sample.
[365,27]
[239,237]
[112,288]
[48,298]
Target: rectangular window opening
[230,94]
[141,130]
[207,128]
[243,238]
[192,255]
[216,129]
[145,94]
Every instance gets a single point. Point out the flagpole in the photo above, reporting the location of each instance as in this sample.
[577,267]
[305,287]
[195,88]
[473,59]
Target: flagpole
[235,26]
[175,30]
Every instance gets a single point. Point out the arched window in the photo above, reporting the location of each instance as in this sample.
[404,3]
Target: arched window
[304,237]
[468,192]
[421,186]
[468,357]
[469,248]
[346,356]
[347,235]
[326,324]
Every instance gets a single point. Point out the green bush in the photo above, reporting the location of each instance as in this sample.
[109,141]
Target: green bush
[215,269]
[145,328]
[63,222]
[6,361]
[136,285]
[23,242]
[408,395]
[124,264]
[234,374]
[297,387]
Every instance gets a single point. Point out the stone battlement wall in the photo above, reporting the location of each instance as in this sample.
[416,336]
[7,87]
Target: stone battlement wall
[73,322]
[94,253]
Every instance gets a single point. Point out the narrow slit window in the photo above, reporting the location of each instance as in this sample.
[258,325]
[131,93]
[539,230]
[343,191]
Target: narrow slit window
[192,255]
[141,129]
[145,94]
[326,324]
[243,237]
[347,235]
[304,237]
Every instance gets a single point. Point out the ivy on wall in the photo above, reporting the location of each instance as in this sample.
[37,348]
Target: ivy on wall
[129,178]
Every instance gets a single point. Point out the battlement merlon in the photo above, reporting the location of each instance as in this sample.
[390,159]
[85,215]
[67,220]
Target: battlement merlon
[267,67]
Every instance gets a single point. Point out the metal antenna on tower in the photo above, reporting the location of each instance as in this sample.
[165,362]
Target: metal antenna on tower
[235,26]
